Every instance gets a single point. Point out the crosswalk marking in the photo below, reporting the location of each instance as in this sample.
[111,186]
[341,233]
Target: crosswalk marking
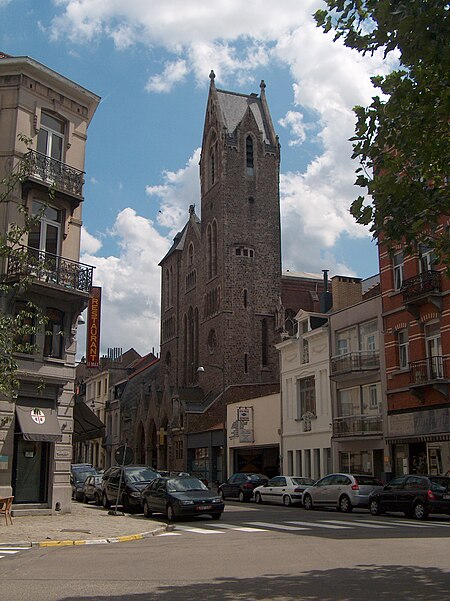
[400,523]
[8,551]
[319,525]
[234,527]
[170,534]
[198,530]
[360,524]
[276,526]
[5,551]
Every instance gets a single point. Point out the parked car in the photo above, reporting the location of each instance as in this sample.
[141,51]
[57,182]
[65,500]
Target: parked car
[77,478]
[241,485]
[282,489]
[414,495]
[181,496]
[132,479]
[343,491]
[92,489]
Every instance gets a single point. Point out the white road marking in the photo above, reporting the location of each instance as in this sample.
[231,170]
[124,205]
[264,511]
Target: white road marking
[170,534]
[2,549]
[319,525]
[8,551]
[198,530]
[361,524]
[239,528]
[276,526]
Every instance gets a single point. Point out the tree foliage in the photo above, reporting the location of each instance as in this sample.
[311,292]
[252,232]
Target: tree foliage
[17,328]
[402,138]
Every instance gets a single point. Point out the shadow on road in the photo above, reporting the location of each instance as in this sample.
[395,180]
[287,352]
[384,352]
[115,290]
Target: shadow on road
[368,582]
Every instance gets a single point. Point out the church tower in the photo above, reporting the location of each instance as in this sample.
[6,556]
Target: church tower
[240,232]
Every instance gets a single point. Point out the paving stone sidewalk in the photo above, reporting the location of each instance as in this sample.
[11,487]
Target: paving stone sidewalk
[86,524]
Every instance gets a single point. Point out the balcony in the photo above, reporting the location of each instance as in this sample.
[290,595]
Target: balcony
[422,288]
[43,169]
[357,363]
[432,371]
[357,425]
[32,265]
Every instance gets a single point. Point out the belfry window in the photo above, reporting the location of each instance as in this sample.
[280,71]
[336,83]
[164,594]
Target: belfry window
[249,155]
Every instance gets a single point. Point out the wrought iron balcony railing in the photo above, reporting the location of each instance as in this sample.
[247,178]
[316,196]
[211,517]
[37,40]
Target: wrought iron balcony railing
[51,171]
[31,263]
[428,370]
[357,425]
[423,283]
[358,361]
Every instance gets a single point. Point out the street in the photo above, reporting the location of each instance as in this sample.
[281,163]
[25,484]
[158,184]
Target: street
[254,553]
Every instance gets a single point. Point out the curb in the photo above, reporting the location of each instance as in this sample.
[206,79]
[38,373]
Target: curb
[98,541]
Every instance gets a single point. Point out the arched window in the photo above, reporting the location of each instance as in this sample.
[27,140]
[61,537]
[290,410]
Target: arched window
[167,290]
[214,249]
[208,250]
[191,254]
[249,155]
[213,159]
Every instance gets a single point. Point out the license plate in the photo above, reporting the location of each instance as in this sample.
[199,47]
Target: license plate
[200,507]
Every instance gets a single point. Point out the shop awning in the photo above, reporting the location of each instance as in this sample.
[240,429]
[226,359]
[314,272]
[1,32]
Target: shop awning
[86,425]
[38,423]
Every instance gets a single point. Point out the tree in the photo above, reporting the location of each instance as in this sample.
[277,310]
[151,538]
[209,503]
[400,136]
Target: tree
[402,138]
[17,327]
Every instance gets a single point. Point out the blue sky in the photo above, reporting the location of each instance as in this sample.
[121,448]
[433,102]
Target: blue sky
[149,61]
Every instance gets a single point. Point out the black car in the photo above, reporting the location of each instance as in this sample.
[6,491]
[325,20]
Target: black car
[414,495]
[240,486]
[77,478]
[132,479]
[181,496]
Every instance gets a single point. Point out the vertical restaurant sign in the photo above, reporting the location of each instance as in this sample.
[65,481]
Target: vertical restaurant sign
[93,333]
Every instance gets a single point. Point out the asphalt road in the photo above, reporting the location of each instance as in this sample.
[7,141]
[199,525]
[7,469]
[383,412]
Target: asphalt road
[255,553]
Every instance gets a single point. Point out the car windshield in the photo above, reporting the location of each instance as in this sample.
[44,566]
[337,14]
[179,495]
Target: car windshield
[440,484]
[185,484]
[304,481]
[80,476]
[367,481]
[141,474]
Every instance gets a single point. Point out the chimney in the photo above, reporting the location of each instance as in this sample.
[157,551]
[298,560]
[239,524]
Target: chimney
[346,291]
[326,298]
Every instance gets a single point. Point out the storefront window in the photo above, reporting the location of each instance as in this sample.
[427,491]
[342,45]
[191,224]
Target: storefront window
[356,462]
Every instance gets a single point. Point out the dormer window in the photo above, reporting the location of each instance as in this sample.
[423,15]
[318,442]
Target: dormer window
[249,155]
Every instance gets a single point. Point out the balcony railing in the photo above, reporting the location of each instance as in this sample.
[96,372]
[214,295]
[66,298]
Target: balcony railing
[357,425]
[31,263]
[421,284]
[54,172]
[428,370]
[355,362]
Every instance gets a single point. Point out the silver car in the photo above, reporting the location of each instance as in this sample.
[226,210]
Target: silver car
[343,491]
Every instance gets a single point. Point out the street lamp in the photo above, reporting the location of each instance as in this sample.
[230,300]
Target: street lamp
[201,370]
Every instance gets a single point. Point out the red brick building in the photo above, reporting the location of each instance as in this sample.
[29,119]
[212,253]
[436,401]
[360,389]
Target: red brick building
[416,323]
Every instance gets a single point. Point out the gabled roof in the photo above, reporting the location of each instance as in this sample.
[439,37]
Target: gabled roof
[234,106]
[180,238]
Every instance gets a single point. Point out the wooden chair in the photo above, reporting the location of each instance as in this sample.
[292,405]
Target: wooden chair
[5,507]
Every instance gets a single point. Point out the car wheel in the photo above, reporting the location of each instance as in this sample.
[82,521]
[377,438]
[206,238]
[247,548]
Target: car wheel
[106,504]
[170,513]
[216,516]
[374,507]
[307,502]
[147,511]
[287,501]
[420,511]
[258,498]
[242,498]
[97,499]
[344,504]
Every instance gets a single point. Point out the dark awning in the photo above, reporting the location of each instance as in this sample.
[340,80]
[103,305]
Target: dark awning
[38,423]
[86,425]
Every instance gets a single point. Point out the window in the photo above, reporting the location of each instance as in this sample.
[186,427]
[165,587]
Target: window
[368,336]
[306,399]
[398,270]
[434,350]
[349,402]
[264,343]
[427,259]
[26,323]
[54,333]
[51,137]
[403,349]
[290,462]
[212,341]
[346,341]
[371,396]
[249,155]
[45,233]
[245,298]
[359,462]
[191,254]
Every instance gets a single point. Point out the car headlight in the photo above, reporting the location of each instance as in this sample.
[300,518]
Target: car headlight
[186,502]
[217,500]
[135,493]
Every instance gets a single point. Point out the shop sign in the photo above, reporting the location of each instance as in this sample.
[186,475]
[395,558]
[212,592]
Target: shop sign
[93,332]
[37,416]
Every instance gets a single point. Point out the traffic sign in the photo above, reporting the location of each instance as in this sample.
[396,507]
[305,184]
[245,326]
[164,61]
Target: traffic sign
[123,455]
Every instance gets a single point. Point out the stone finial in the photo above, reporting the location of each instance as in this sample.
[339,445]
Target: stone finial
[191,209]
[212,77]
[262,85]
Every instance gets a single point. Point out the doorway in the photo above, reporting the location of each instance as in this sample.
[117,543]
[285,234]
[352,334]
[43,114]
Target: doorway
[30,470]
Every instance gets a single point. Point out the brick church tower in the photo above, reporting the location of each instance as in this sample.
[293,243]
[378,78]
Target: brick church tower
[221,278]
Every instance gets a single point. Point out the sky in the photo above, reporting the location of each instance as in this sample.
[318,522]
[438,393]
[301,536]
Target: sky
[149,61]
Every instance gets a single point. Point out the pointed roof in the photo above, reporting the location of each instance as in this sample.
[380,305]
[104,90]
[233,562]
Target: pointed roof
[180,237]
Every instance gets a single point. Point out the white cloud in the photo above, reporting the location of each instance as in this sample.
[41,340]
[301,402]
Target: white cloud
[89,244]
[130,285]
[294,121]
[173,73]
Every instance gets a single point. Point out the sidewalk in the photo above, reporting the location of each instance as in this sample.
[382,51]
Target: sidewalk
[87,524]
